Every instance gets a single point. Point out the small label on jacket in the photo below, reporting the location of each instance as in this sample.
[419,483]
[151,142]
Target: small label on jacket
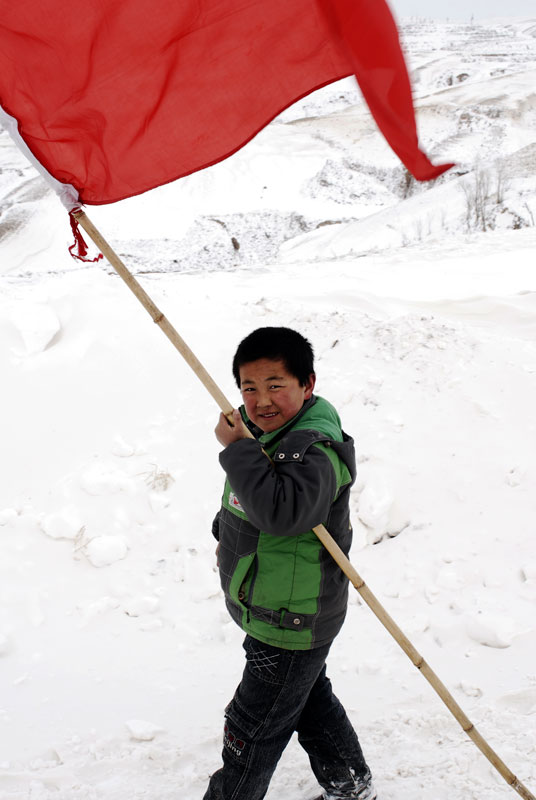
[234,502]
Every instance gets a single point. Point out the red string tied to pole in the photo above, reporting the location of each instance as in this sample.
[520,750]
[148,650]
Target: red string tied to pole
[80,243]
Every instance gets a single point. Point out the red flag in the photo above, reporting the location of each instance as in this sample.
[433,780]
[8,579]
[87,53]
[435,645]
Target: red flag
[116,98]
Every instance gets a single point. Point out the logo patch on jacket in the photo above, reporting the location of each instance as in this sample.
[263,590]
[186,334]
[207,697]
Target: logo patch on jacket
[234,502]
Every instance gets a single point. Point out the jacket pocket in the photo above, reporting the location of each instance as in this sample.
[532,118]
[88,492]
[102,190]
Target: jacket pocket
[242,573]
[248,586]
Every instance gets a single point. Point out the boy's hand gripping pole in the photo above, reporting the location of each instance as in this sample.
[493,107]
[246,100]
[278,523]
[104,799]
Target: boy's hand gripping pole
[326,539]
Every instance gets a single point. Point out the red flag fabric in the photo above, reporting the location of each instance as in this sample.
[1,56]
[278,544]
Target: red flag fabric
[116,98]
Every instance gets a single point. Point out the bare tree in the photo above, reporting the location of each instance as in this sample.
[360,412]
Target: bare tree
[531,215]
[484,192]
[502,178]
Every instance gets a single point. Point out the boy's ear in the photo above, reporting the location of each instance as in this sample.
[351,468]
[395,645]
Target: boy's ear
[309,386]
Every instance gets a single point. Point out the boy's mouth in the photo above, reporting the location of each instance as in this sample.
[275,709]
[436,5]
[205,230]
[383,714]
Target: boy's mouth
[268,415]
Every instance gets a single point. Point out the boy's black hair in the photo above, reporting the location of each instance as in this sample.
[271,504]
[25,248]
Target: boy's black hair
[282,344]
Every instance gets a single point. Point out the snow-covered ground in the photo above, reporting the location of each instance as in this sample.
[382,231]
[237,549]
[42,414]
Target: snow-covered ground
[117,656]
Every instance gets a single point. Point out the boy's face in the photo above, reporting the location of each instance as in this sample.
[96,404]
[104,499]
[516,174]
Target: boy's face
[272,396]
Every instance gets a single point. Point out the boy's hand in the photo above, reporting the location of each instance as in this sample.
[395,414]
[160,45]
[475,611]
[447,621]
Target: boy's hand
[225,434]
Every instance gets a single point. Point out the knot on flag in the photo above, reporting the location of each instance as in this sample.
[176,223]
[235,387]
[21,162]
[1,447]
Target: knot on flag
[79,242]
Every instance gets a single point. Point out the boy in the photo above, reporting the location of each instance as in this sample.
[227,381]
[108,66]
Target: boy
[281,586]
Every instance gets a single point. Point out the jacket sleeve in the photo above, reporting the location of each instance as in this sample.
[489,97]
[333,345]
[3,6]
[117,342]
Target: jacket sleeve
[216,527]
[286,498]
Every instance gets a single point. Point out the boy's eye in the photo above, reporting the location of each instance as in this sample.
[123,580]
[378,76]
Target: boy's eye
[275,386]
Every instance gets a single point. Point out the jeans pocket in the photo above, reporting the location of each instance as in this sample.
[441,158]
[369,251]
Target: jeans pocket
[239,731]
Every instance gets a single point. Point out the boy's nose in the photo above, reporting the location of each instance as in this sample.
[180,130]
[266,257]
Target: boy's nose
[263,400]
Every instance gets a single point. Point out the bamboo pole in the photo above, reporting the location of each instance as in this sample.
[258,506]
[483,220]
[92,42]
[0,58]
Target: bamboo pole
[418,661]
[327,540]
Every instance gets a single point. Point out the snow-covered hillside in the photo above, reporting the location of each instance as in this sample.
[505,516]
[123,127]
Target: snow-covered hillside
[117,656]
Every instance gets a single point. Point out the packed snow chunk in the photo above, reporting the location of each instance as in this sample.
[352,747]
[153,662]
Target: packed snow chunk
[37,325]
[528,571]
[50,758]
[360,537]
[470,690]
[7,515]
[417,623]
[492,630]
[142,731]
[520,702]
[448,578]
[493,577]
[398,521]
[64,524]
[121,448]
[158,502]
[136,606]
[100,606]
[375,504]
[5,646]
[515,477]
[99,479]
[105,550]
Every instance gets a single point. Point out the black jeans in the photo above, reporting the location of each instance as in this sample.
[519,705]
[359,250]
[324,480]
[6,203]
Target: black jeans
[283,691]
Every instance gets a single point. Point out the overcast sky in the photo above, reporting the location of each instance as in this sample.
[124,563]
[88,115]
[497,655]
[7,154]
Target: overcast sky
[463,9]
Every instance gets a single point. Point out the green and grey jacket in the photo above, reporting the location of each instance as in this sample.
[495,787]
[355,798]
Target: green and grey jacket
[281,585]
